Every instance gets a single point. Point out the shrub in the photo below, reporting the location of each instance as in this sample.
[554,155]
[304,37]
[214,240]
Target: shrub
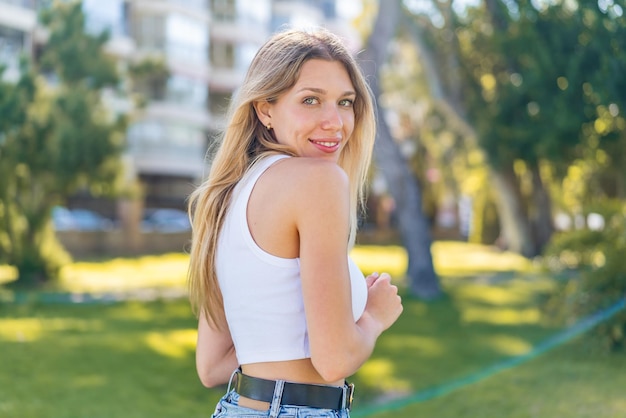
[598,260]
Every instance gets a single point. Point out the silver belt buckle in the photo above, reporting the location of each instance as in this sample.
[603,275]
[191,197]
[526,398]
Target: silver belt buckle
[348,396]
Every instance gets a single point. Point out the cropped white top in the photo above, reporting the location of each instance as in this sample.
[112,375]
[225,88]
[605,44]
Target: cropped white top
[262,292]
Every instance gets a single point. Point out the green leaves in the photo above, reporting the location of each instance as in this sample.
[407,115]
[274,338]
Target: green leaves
[69,52]
[54,139]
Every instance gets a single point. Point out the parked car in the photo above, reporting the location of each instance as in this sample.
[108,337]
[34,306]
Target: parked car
[65,219]
[88,220]
[165,220]
[62,219]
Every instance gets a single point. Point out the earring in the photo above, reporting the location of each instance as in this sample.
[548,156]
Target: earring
[269,126]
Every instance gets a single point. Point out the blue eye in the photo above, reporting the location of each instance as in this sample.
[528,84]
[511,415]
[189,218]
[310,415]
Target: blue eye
[346,102]
[310,100]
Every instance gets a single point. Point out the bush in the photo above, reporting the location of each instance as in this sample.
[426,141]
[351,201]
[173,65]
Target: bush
[597,259]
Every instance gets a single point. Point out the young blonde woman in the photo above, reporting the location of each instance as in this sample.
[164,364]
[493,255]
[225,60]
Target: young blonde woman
[284,315]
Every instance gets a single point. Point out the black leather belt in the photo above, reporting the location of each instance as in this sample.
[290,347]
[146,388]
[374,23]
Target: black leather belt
[297,394]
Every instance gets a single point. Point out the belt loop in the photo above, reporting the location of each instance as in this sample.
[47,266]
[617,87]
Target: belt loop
[344,397]
[277,398]
[232,376]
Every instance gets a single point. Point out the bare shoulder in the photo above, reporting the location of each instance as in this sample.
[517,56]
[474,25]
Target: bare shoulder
[301,175]
[301,185]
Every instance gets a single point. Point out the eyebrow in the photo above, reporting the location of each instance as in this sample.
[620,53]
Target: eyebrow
[322,91]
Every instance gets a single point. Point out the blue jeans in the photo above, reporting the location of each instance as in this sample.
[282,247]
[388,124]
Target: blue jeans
[229,407]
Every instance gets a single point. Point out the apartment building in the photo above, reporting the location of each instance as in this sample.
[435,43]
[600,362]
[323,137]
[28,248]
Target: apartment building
[18,24]
[206,46]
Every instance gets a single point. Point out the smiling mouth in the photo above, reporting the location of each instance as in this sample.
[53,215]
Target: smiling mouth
[327,144]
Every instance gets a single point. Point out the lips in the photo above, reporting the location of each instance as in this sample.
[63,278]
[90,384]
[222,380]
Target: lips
[326,145]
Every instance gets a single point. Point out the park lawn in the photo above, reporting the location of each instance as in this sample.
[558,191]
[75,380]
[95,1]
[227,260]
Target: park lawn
[566,382]
[130,359]
[136,359]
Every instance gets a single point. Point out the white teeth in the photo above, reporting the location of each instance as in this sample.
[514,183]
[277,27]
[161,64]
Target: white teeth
[326,144]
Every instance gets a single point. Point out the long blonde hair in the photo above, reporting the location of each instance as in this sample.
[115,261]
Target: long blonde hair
[274,70]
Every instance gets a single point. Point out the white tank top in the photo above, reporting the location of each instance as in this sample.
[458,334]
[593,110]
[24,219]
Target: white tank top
[262,292]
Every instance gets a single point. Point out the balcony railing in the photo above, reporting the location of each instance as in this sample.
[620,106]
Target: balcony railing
[27,4]
[154,151]
[194,4]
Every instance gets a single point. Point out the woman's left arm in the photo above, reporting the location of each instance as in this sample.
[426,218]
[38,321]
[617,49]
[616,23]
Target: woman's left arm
[215,354]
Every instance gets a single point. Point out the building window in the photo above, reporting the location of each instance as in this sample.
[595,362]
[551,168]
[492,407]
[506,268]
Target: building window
[29,4]
[223,10]
[222,54]
[194,4]
[187,39]
[254,12]
[111,15]
[150,32]
[12,45]
[186,91]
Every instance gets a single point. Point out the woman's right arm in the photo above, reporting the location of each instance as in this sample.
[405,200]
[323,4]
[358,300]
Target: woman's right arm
[215,354]
[339,346]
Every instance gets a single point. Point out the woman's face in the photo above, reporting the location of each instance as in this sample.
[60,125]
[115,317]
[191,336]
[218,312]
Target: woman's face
[316,116]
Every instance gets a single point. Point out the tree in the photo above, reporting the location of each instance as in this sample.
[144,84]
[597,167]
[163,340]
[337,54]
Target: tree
[56,137]
[521,80]
[404,188]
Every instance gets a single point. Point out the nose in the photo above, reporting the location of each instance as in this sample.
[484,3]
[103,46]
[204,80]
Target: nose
[332,119]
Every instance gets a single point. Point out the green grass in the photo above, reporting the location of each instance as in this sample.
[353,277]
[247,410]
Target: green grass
[136,359]
[122,360]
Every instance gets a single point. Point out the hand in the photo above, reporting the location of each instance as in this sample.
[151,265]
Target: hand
[383,302]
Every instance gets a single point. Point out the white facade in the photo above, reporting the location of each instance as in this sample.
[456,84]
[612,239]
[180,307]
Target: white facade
[207,46]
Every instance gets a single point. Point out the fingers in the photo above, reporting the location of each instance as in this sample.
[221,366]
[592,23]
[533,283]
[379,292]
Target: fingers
[382,279]
[383,303]
[369,280]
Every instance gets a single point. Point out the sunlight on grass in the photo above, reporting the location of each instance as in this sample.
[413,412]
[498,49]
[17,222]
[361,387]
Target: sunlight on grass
[493,295]
[449,258]
[169,270]
[21,330]
[455,257]
[31,329]
[381,373]
[135,311]
[7,274]
[512,301]
[391,259]
[502,316]
[176,344]
[424,346]
[507,344]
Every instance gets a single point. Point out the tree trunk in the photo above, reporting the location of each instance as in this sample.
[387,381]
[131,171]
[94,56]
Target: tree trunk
[541,215]
[403,186]
[515,233]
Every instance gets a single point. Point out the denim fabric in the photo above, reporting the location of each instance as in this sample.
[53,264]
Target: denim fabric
[228,407]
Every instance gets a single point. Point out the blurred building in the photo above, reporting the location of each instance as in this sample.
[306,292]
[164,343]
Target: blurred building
[18,31]
[206,46]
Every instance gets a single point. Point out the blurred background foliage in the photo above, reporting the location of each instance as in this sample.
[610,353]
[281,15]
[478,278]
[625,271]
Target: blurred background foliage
[56,137]
[520,106]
